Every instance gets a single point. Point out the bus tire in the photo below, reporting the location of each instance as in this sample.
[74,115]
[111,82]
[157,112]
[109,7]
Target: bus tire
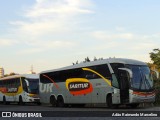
[60,101]
[21,100]
[4,100]
[109,101]
[53,101]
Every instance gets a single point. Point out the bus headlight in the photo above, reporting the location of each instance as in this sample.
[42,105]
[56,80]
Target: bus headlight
[33,95]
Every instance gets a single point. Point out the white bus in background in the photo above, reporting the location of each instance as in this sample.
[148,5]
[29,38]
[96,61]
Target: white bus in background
[112,81]
[20,88]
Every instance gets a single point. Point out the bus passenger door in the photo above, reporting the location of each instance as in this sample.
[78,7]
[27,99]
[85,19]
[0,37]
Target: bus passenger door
[124,86]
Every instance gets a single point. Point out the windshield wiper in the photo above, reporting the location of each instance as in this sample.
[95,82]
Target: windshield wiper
[141,82]
[146,80]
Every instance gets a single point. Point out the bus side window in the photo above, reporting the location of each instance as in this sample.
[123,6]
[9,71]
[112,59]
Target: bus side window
[100,69]
[72,73]
[3,83]
[75,73]
[0,83]
[13,84]
[56,76]
[17,82]
[116,80]
[45,78]
[115,67]
[9,83]
[89,74]
[104,71]
[64,75]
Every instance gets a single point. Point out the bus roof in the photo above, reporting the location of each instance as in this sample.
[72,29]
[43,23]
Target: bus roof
[34,76]
[98,62]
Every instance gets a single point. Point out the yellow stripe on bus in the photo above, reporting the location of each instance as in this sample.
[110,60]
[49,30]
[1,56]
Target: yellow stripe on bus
[106,80]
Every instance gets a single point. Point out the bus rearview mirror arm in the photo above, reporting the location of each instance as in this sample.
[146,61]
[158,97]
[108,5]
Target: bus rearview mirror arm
[27,82]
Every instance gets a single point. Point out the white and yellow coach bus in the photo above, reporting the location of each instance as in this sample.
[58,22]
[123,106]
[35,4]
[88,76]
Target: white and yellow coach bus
[112,81]
[20,88]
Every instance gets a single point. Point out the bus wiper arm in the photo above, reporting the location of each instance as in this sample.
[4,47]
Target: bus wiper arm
[140,86]
[147,81]
[141,82]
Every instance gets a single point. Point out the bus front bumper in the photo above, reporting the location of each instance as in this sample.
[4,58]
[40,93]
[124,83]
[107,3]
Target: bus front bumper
[142,97]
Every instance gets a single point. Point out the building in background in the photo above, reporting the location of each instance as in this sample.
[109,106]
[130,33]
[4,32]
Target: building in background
[1,72]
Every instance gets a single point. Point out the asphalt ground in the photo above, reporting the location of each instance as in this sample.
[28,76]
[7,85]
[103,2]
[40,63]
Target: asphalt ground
[90,112]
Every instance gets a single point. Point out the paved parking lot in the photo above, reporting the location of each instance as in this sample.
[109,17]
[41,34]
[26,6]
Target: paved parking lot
[77,112]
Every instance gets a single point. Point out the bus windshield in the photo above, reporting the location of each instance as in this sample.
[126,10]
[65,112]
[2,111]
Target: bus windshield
[33,87]
[142,79]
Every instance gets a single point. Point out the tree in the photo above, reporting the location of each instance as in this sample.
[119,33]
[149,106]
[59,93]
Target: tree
[155,57]
[95,59]
[10,74]
[151,66]
[87,59]
[75,63]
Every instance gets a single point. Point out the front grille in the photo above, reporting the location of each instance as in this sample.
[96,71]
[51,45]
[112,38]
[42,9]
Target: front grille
[36,100]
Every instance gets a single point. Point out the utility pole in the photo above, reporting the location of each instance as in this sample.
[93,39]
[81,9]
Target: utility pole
[31,70]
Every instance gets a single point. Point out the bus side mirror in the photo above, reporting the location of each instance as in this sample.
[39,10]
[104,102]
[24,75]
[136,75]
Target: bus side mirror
[156,73]
[128,71]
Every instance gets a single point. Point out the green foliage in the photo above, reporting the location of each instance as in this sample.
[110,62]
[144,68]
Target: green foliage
[157,90]
[12,73]
[155,57]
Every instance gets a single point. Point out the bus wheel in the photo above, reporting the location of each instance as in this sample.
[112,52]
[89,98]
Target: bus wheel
[109,101]
[53,100]
[4,100]
[60,101]
[21,101]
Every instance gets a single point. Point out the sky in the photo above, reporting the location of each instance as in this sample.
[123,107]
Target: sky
[49,34]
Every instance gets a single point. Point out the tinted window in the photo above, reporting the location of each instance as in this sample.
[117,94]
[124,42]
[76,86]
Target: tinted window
[11,83]
[1,84]
[115,67]
[100,69]
[45,78]
[61,76]
[72,73]
[116,79]
[24,84]
[33,87]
